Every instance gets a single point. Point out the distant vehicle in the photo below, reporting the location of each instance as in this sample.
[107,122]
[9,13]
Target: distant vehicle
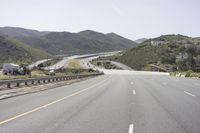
[10,68]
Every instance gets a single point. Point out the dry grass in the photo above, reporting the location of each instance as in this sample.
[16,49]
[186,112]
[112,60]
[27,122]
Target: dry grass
[7,77]
[74,63]
[35,73]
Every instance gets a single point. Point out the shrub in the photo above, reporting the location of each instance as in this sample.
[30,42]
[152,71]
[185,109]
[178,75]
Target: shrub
[195,75]
[188,73]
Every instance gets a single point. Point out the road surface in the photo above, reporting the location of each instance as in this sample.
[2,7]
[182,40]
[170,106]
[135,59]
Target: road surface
[35,64]
[113,103]
[65,61]
[59,64]
[124,67]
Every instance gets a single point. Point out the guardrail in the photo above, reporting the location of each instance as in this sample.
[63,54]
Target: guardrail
[39,80]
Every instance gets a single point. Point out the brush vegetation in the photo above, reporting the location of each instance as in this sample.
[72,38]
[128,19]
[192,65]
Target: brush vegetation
[170,52]
[13,50]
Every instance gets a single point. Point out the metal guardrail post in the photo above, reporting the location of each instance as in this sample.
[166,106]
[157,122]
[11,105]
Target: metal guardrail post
[8,85]
[18,84]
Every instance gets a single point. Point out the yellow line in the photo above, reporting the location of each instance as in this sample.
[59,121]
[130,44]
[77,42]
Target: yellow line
[51,103]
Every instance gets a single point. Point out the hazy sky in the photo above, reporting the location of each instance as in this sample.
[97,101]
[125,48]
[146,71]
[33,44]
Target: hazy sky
[130,18]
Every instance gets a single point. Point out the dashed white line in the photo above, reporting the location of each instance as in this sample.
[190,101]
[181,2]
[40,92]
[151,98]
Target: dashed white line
[134,92]
[189,93]
[131,82]
[131,128]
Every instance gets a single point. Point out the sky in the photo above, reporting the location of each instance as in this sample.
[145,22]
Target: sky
[130,18]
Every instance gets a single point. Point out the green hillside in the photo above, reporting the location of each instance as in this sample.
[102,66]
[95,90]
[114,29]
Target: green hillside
[13,50]
[170,52]
[83,42]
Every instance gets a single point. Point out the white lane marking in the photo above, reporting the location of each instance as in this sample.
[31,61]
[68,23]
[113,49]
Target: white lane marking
[131,127]
[134,92]
[51,103]
[131,82]
[164,83]
[189,93]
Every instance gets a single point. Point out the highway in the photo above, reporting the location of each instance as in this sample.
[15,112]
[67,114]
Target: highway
[113,103]
[37,63]
[124,67]
[65,61]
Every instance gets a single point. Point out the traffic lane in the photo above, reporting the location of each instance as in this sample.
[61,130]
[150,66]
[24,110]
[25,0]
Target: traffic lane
[17,105]
[186,85]
[95,110]
[140,110]
[183,110]
[109,113]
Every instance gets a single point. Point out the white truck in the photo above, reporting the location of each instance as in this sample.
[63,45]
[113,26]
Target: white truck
[10,68]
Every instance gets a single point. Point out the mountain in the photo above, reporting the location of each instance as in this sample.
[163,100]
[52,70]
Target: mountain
[121,41]
[141,40]
[83,42]
[167,53]
[17,32]
[13,50]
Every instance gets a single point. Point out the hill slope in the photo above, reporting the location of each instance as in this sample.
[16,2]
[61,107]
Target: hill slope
[17,32]
[141,40]
[70,43]
[121,41]
[12,50]
[170,52]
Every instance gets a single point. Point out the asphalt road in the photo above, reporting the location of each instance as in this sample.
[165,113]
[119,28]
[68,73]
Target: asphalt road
[65,61]
[37,63]
[127,103]
[124,67]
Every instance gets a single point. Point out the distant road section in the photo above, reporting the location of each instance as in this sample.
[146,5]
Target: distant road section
[58,65]
[130,72]
[124,67]
[84,60]
[37,63]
